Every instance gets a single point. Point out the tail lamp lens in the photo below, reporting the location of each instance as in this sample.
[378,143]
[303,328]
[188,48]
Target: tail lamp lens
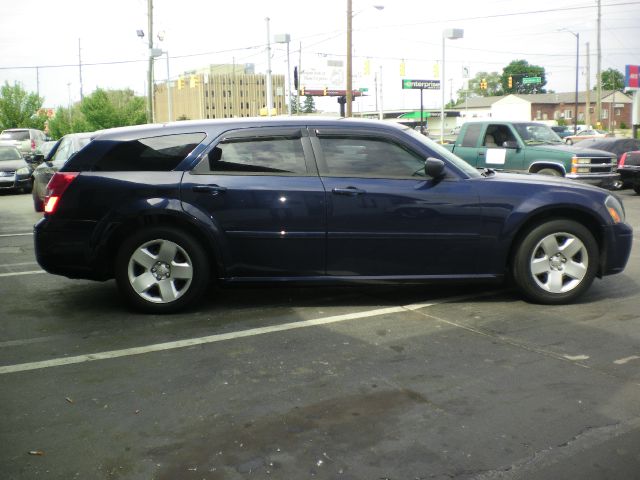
[55,188]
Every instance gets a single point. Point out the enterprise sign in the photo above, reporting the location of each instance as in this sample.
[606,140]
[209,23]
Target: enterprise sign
[421,84]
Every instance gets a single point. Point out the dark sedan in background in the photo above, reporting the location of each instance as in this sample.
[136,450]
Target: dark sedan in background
[60,153]
[15,172]
[617,146]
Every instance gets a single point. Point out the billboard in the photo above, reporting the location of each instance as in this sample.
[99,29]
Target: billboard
[632,77]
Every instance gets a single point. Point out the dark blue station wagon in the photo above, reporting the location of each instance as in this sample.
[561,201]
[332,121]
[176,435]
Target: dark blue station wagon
[163,209]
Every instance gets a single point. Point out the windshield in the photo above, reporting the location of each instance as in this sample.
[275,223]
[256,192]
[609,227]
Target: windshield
[444,153]
[8,154]
[536,134]
[15,135]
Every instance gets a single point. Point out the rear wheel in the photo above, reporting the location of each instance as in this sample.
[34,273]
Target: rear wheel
[161,270]
[636,188]
[555,262]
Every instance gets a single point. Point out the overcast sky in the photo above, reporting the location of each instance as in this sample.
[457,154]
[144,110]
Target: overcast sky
[202,32]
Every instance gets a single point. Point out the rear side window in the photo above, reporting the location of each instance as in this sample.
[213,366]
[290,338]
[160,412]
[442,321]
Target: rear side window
[277,155]
[151,154]
[15,135]
[471,135]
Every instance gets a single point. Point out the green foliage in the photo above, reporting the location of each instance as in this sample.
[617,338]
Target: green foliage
[102,109]
[309,105]
[519,69]
[493,86]
[612,79]
[18,108]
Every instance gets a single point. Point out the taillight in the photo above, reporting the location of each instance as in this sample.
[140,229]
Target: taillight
[622,159]
[55,188]
[33,145]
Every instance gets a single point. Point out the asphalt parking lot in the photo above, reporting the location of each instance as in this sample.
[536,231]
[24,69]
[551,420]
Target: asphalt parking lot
[393,382]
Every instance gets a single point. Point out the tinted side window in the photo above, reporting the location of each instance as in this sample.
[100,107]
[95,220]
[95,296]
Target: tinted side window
[368,157]
[162,153]
[258,155]
[471,136]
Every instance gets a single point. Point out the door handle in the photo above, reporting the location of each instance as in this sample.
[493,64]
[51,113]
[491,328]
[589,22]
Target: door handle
[481,154]
[351,191]
[212,189]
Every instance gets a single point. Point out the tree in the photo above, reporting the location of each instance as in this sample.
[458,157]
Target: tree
[612,79]
[519,69]
[18,108]
[113,108]
[493,86]
[309,105]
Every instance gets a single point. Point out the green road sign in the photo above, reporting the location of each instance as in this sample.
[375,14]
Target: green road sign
[421,84]
[363,90]
[528,80]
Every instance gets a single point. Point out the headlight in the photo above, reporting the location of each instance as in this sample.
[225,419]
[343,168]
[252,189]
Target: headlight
[23,171]
[615,209]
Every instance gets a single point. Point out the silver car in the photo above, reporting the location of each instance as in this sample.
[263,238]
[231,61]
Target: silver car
[59,154]
[15,173]
[27,140]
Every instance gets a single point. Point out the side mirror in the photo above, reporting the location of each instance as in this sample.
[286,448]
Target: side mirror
[511,144]
[38,158]
[434,168]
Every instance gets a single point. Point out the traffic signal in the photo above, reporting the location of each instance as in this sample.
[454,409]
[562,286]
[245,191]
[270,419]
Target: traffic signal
[402,68]
[510,81]
[194,81]
[302,92]
[180,83]
[367,67]
[324,91]
[483,84]
[296,83]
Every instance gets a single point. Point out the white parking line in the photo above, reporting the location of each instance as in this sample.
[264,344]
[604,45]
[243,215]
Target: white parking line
[57,362]
[15,234]
[15,274]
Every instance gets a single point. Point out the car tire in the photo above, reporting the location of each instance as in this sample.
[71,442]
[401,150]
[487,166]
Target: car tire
[161,270]
[552,172]
[568,141]
[636,188]
[555,262]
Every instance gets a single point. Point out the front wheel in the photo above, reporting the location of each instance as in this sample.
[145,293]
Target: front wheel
[555,262]
[161,270]
[549,171]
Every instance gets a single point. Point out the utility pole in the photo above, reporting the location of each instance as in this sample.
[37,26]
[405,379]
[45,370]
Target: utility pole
[269,87]
[298,105]
[80,67]
[150,116]
[587,113]
[599,72]
[349,96]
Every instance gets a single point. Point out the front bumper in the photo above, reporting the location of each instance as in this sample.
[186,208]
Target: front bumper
[604,180]
[14,181]
[618,240]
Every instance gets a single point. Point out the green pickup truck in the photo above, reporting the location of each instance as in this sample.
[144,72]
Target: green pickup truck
[533,148]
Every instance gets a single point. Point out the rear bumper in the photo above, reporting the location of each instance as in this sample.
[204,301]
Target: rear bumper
[66,250]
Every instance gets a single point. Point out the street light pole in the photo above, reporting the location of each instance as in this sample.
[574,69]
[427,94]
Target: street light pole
[286,38]
[451,34]
[349,59]
[575,114]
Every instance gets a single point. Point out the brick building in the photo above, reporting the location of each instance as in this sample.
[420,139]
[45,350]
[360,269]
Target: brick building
[616,108]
